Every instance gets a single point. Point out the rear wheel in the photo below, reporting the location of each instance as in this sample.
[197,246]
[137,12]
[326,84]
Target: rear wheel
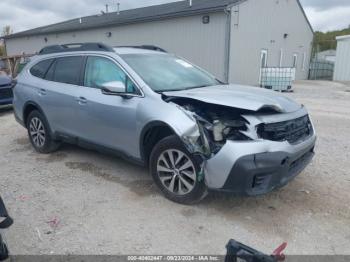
[39,133]
[176,172]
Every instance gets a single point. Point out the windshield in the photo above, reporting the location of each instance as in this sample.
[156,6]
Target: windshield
[164,72]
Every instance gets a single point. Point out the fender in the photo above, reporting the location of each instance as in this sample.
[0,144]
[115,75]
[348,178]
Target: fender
[144,131]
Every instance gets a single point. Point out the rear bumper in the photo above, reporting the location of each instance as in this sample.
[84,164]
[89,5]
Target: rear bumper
[6,95]
[257,168]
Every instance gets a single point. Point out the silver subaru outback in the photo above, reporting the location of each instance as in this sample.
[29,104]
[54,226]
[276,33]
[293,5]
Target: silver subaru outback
[195,133]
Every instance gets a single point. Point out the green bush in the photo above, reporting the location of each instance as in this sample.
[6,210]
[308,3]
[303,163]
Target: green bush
[327,40]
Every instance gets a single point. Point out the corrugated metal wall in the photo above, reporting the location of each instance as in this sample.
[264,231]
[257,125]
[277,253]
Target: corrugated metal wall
[342,61]
[258,25]
[203,44]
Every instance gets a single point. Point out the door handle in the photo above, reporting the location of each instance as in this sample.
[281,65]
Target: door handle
[81,100]
[42,91]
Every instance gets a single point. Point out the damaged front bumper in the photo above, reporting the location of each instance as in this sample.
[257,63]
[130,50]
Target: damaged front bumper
[277,148]
[257,167]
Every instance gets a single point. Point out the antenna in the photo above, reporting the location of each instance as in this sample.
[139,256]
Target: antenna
[118,8]
[107,8]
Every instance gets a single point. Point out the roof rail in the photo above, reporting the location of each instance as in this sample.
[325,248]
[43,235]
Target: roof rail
[75,47]
[148,47]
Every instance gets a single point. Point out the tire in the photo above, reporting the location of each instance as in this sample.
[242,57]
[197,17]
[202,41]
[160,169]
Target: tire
[180,184]
[39,133]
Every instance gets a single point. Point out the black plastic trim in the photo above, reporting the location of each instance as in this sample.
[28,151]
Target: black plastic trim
[53,49]
[146,47]
[262,173]
[95,147]
[3,213]
[145,129]
[6,223]
[19,120]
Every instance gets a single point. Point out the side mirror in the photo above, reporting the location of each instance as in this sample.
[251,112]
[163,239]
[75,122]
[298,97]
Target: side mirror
[114,88]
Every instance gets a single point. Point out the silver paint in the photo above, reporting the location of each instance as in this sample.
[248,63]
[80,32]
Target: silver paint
[118,123]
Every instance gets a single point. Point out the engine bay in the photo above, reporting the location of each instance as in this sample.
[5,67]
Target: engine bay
[217,123]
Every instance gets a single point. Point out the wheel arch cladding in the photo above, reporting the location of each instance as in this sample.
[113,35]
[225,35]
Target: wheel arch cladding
[30,107]
[151,134]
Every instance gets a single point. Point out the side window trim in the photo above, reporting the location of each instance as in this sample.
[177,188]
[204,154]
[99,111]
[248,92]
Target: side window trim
[53,65]
[139,92]
[82,71]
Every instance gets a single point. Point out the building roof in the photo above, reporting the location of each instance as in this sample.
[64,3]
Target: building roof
[138,15]
[144,14]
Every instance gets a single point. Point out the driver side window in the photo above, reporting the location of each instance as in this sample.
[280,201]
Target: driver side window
[99,71]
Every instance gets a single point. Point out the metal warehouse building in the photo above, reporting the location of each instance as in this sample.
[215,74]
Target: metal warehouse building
[232,39]
[342,60]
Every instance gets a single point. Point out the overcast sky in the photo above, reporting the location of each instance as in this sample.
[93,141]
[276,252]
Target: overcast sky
[26,14]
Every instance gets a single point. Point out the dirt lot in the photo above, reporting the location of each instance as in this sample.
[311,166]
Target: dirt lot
[98,204]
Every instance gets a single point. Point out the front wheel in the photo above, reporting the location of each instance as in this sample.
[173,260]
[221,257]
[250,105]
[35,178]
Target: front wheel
[176,172]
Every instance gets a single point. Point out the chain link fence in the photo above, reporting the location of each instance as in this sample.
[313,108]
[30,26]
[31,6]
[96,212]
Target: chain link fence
[321,70]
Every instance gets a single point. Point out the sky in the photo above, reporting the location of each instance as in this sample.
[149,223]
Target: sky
[324,15]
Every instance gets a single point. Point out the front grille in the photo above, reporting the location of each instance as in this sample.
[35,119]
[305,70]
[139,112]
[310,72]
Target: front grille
[292,131]
[6,93]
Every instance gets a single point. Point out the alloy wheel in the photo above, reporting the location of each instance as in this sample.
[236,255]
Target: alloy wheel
[37,132]
[176,171]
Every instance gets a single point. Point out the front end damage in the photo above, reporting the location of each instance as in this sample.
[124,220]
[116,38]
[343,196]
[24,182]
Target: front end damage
[244,151]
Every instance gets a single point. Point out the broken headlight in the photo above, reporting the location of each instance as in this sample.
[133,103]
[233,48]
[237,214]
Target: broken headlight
[229,130]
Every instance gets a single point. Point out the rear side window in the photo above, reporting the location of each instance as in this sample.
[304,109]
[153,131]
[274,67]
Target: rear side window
[68,69]
[40,69]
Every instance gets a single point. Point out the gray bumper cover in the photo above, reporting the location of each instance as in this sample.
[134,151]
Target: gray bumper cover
[239,164]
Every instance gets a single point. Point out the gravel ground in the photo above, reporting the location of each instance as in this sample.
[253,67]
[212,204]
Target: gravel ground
[81,202]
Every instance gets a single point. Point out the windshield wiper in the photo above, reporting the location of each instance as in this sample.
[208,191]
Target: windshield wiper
[187,88]
[196,87]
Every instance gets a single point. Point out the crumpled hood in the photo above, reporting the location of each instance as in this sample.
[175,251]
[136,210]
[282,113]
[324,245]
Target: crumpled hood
[242,97]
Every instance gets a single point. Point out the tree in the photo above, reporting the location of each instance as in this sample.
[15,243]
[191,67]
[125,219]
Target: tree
[6,30]
[327,40]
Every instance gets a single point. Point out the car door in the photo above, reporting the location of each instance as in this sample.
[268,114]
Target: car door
[60,95]
[109,120]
